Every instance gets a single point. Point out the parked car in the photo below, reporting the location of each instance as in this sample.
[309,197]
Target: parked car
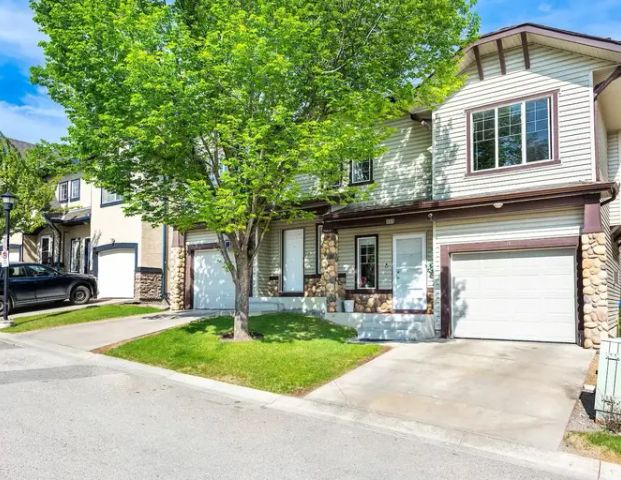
[33,284]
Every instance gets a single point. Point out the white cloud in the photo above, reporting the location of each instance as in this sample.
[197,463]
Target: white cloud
[544,7]
[38,118]
[19,34]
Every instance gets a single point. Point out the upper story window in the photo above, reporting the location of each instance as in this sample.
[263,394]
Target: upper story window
[63,191]
[75,190]
[362,172]
[110,198]
[513,134]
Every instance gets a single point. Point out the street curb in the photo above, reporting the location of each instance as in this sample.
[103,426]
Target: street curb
[568,464]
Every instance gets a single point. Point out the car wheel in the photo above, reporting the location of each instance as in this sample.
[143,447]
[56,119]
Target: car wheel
[80,295]
[2,305]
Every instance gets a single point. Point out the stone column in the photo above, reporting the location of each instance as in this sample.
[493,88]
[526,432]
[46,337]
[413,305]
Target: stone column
[176,267]
[594,288]
[329,249]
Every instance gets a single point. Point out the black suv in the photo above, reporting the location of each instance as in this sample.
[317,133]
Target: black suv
[32,284]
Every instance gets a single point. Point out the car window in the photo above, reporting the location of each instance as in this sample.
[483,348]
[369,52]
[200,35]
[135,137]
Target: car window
[18,271]
[41,271]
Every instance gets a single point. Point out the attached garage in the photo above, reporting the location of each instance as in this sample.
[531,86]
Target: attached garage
[115,268]
[514,294]
[213,286]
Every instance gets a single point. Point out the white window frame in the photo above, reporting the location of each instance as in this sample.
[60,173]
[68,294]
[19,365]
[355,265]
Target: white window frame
[550,97]
[51,248]
[63,186]
[72,197]
[113,198]
[358,263]
[75,268]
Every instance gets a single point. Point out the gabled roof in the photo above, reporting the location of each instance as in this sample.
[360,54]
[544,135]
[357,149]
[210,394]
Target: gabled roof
[515,35]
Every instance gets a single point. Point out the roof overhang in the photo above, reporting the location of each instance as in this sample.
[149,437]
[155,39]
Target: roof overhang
[519,35]
[561,196]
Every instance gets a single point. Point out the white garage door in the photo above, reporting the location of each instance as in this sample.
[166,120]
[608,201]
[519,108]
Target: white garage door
[517,295]
[213,284]
[115,273]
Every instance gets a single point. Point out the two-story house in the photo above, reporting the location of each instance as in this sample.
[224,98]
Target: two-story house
[87,232]
[494,215]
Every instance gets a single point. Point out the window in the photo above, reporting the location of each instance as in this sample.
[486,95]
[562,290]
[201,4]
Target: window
[75,189]
[42,271]
[63,191]
[87,255]
[76,255]
[18,271]
[514,134]
[45,251]
[362,172]
[109,198]
[319,241]
[366,262]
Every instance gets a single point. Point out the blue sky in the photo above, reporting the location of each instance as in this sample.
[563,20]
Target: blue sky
[27,113]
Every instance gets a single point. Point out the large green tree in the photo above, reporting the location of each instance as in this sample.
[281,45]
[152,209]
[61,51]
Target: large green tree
[29,175]
[209,111]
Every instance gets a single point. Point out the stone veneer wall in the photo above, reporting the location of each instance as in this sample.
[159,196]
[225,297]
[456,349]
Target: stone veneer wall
[330,277]
[176,289]
[148,285]
[594,289]
[380,302]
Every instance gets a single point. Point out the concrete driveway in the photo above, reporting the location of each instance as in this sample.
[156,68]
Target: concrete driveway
[516,391]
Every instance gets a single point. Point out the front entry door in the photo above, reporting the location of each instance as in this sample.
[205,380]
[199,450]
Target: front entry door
[409,272]
[293,261]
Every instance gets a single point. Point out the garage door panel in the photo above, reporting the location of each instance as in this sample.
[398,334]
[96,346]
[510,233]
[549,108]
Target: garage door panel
[116,273]
[521,295]
[213,284]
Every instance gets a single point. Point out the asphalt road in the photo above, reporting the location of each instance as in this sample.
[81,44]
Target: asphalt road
[63,418]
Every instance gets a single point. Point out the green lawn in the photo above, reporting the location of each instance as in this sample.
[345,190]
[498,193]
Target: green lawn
[88,314]
[295,354]
[603,445]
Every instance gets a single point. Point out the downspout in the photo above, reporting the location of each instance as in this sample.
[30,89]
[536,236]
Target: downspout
[164,293]
[615,193]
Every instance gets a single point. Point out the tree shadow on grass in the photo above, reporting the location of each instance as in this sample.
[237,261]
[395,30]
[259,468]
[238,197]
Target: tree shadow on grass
[277,328]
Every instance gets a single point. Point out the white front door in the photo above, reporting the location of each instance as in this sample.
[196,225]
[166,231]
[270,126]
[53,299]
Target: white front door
[293,260]
[116,270]
[213,283]
[409,272]
[515,295]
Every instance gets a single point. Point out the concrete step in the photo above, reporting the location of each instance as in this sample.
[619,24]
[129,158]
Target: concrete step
[396,335]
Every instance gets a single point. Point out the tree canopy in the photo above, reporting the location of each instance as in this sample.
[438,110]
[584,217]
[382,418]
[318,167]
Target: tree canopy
[203,111]
[29,176]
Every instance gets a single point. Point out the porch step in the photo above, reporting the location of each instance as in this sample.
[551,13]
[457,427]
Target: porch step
[403,335]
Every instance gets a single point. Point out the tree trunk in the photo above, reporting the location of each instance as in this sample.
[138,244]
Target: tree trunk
[242,299]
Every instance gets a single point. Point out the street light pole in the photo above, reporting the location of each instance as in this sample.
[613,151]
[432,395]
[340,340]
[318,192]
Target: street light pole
[8,201]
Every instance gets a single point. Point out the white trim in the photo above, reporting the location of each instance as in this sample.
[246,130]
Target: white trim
[375,239]
[592,127]
[423,237]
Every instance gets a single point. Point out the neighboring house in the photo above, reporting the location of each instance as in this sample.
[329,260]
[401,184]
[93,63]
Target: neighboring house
[493,216]
[87,232]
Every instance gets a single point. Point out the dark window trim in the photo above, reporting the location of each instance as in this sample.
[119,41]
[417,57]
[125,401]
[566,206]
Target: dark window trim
[282,262]
[554,133]
[365,182]
[60,184]
[71,197]
[356,238]
[318,226]
[103,204]
[113,246]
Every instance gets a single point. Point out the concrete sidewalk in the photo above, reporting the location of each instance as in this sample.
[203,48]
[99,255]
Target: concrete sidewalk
[93,335]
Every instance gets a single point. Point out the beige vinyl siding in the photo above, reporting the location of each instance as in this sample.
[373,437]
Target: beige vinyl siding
[551,69]
[613,269]
[263,265]
[614,139]
[269,255]
[402,172]
[195,237]
[519,226]
[347,249]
